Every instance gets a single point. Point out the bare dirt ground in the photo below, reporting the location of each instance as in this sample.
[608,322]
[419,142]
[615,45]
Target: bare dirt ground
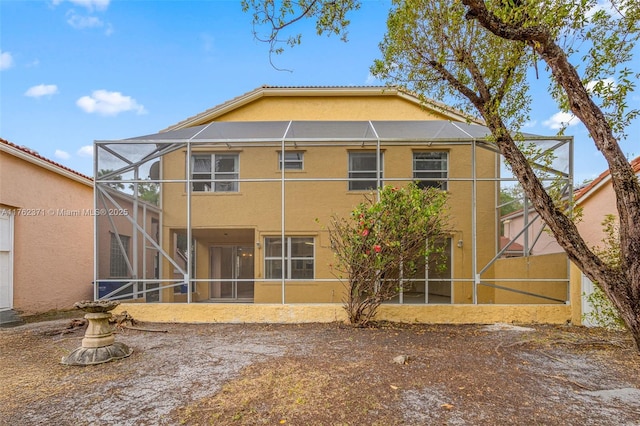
[323,374]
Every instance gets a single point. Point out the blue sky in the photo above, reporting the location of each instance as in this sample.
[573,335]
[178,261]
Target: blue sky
[75,71]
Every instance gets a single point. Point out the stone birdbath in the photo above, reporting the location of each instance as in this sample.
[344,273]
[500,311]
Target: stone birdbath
[98,345]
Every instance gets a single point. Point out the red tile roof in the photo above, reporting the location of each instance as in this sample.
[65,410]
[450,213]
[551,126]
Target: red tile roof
[635,164]
[35,154]
[513,247]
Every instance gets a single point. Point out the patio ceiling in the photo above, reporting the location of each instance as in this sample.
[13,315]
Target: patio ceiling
[299,131]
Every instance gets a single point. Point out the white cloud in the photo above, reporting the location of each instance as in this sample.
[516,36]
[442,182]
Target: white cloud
[607,82]
[530,124]
[561,120]
[63,155]
[6,60]
[89,4]
[86,151]
[107,103]
[601,5]
[42,90]
[79,22]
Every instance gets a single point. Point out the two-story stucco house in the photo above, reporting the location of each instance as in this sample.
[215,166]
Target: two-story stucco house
[247,188]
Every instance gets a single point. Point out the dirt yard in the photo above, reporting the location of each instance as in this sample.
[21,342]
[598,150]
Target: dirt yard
[323,374]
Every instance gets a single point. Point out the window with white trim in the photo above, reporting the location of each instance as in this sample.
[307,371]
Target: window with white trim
[293,160]
[215,172]
[431,169]
[299,258]
[362,170]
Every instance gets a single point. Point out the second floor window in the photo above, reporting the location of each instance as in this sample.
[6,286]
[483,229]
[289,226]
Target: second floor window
[362,171]
[430,169]
[215,172]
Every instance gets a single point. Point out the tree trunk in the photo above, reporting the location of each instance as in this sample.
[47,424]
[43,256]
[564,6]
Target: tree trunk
[622,286]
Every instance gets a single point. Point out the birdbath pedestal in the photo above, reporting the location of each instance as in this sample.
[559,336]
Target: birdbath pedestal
[98,345]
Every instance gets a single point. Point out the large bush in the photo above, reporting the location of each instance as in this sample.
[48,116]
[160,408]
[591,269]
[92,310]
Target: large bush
[379,248]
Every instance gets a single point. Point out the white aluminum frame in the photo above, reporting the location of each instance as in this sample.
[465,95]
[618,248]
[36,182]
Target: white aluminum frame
[165,146]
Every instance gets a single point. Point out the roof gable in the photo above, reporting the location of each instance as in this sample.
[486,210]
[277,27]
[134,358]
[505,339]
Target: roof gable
[264,92]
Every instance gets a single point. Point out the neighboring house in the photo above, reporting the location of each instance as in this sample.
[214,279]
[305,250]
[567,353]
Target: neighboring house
[596,200]
[248,187]
[46,233]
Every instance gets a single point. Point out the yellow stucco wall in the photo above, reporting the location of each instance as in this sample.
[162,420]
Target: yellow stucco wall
[381,106]
[525,269]
[53,248]
[576,294]
[274,313]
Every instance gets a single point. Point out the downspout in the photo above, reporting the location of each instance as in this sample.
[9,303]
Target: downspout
[96,285]
[135,254]
[474,228]
[187,275]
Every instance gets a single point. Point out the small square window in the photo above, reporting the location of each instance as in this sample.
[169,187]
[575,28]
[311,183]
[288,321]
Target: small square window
[292,160]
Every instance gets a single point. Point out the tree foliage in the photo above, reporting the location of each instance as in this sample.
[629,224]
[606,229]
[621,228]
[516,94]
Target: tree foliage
[384,244]
[271,18]
[148,191]
[114,179]
[432,50]
[510,200]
